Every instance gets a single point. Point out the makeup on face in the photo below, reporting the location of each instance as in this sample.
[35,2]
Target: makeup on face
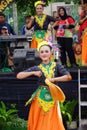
[45,53]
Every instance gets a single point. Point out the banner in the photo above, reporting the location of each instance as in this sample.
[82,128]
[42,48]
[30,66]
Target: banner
[4,4]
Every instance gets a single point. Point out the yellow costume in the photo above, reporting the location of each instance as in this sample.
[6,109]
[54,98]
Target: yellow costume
[40,24]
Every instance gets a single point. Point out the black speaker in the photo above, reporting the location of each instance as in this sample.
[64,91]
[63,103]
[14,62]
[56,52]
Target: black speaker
[25,58]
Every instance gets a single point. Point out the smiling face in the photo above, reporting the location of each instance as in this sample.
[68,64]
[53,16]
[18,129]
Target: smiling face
[45,53]
[61,12]
[39,10]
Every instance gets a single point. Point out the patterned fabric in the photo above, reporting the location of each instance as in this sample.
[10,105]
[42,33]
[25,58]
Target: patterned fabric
[40,20]
[45,112]
[44,95]
[40,29]
[45,25]
[83,25]
[62,31]
[45,99]
[48,70]
[59,70]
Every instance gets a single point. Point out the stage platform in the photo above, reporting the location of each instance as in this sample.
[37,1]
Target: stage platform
[15,91]
[80,128]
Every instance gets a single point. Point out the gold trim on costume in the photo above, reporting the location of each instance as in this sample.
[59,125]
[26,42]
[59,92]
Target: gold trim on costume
[46,106]
[43,43]
[41,21]
[45,70]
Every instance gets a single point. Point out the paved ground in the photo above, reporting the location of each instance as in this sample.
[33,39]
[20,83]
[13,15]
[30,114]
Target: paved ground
[81,128]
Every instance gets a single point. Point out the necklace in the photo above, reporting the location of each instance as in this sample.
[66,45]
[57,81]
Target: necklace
[48,69]
[40,20]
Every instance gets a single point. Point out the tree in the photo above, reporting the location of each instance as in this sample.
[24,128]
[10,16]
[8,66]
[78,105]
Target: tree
[28,5]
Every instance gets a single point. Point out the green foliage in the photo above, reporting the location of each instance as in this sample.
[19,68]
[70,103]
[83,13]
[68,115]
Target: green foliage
[67,110]
[28,5]
[75,1]
[5,114]
[15,121]
[10,119]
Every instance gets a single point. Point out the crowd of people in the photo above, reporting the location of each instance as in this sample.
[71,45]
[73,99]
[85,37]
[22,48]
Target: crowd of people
[39,25]
[5,28]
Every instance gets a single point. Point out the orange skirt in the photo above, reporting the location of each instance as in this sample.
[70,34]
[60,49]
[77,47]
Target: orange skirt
[35,42]
[39,120]
[84,49]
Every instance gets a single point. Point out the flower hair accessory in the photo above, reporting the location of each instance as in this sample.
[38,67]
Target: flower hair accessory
[53,45]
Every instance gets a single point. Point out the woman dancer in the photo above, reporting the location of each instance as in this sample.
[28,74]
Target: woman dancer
[45,111]
[41,23]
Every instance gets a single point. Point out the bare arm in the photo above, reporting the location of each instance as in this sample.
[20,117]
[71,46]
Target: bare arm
[56,23]
[22,75]
[63,78]
[30,23]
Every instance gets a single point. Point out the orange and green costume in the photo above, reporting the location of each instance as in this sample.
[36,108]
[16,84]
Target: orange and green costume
[45,110]
[40,28]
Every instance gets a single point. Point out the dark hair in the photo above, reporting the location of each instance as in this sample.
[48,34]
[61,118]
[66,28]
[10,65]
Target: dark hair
[27,16]
[85,1]
[65,14]
[1,14]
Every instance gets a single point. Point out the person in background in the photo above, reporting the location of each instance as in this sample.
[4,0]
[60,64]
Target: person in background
[45,110]
[83,18]
[3,48]
[6,58]
[83,33]
[65,24]
[40,22]
[4,31]
[25,30]
[4,23]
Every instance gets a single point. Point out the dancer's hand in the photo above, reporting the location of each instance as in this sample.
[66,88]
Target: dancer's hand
[32,18]
[51,80]
[37,73]
[67,24]
[50,28]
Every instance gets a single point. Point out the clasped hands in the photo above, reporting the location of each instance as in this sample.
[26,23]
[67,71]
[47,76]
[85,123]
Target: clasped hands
[39,74]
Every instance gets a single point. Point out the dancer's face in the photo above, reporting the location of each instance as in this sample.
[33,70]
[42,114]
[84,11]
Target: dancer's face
[45,53]
[39,9]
